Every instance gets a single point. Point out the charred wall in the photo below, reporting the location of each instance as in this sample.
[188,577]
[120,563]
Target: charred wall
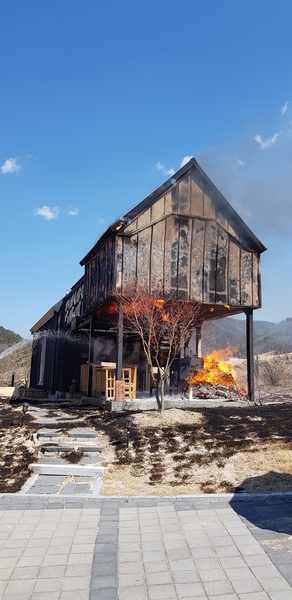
[195,258]
[100,275]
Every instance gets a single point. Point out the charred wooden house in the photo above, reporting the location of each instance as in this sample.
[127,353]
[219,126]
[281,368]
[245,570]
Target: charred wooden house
[185,237]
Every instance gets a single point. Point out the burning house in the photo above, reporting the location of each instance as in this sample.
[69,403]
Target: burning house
[184,237]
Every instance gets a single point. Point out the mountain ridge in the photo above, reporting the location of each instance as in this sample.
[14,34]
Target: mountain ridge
[8,338]
[216,334]
[268,336]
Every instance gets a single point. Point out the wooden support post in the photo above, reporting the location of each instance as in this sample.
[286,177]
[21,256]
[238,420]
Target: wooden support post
[199,341]
[250,354]
[89,362]
[119,349]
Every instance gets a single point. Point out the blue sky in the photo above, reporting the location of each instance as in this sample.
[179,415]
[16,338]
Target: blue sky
[100,102]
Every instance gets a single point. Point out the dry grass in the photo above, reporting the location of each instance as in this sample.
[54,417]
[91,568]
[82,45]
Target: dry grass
[209,450]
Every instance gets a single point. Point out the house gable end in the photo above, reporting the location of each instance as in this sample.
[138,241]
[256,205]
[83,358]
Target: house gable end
[191,193]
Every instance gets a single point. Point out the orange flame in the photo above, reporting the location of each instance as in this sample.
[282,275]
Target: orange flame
[159,303]
[217,370]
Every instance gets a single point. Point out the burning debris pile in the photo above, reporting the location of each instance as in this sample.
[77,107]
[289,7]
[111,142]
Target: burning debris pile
[217,378]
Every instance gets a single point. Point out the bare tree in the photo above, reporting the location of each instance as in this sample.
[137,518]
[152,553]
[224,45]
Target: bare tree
[163,324]
[274,371]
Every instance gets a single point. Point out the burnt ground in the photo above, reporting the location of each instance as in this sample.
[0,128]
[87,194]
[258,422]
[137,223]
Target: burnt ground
[16,451]
[204,450]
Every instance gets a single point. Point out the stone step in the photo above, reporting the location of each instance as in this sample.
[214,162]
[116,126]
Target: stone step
[74,434]
[78,470]
[48,433]
[70,448]
[82,433]
[58,485]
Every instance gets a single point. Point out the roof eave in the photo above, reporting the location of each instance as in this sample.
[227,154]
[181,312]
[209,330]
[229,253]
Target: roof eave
[47,317]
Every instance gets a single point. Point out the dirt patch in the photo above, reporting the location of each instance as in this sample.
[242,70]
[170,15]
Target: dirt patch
[73,457]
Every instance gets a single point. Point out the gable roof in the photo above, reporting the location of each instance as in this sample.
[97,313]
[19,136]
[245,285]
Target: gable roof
[204,183]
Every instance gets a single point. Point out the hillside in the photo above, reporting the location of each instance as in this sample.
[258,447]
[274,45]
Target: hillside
[15,355]
[268,337]
[8,338]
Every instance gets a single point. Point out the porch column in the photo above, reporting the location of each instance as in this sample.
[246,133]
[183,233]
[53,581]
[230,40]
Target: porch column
[119,349]
[199,341]
[249,354]
[89,362]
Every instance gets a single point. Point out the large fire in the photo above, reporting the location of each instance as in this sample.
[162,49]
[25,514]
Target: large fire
[217,370]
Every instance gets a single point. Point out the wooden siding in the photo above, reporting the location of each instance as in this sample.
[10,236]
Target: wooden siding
[210,259]
[119,262]
[168,203]
[188,197]
[256,296]
[143,258]
[184,241]
[130,260]
[246,264]
[144,218]
[197,198]
[156,265]
[100,275]
[234,273]
[158,209]
[170,243]
[195,258]
[184,257]
[221,268]
[74,304]
[184,197]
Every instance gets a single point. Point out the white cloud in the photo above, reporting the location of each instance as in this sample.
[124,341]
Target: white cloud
[164,169]
[185,160]
[239,163]
[10,165]
[284,108]
[268,142]
[170,172]
[73,212]
[47,212]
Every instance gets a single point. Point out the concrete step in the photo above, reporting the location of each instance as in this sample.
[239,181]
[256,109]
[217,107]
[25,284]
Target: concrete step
[69,448]
[82,433]
[74,434]
[78,470]
[63,485]
[48,433]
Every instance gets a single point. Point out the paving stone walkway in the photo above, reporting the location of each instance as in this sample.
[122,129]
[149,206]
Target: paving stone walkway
[179,548]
